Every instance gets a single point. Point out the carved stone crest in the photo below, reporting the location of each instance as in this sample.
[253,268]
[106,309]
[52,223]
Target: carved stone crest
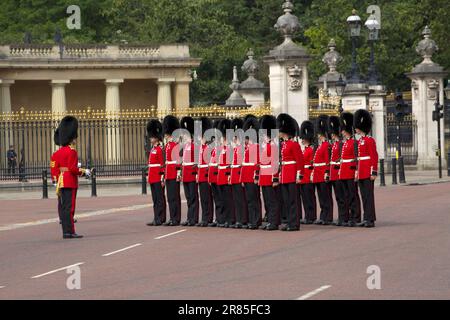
[432,89]
[295,78]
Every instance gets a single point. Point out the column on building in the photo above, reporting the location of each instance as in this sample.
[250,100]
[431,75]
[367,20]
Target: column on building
[59,107]
[377,105]
[6,136]
[112,109]
[165,95]
[182,98]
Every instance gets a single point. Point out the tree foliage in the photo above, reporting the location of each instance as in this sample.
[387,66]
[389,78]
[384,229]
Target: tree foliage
[221,31]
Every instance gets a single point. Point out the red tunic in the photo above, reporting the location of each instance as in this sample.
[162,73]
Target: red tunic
[202,173]
[335,161]
[172,160]
[308,156]
[213,164]
[321,163]
[367,157]
[268,167]
[68,162]
[155,165]
[291,162]
[236,169]
[224,166]
[55,166]
[189,171]
[348,160]
[250,163]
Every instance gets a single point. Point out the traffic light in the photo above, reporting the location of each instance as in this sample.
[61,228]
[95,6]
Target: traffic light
[437,113]
[400,108]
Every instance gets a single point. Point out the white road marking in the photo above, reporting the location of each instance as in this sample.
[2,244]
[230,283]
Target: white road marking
[170,234]
[124,249]
[2,287]
[57,270]
[313,293]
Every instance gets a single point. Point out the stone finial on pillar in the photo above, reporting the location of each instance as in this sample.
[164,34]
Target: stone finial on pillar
[235,99]
[427,47]
[252,89]
[288,23]
[332,58]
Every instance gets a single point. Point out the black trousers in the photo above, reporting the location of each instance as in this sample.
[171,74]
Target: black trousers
[339,194]
[174,200]
[252,193]
[217,202]
[226,195]
[309,201]
[240,201]
[299,201]
[191,194]
[68,198]
[271,196]
[290,198]
[366,187]
[12,167]
[206,202]
[325,201]
[159,202]
[352,199]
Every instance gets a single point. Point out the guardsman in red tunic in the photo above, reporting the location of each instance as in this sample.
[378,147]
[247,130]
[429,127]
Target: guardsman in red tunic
[306,186]
[156,172]
[292,168]
[367,166]
[239,196]
[347,172]
[189,172]
[55,167]
[172,172]
[214,172]
[249,172]
[337,185]
[321,172]
[206,199]
[223,178]
[68,179]
[268,174]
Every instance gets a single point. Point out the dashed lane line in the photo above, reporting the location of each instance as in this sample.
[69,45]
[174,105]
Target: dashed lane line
[57,270]
[313,293]
[121,250]
[170,234]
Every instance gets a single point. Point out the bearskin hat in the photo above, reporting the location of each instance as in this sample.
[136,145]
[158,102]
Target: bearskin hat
[297,128]
[363,120]
[188,124]
[224,125]
[154,129]
[249,116]
[68,130]
[206,124]
[346,122]
[307,130]
[170,124]
[333,125]
[237,123]
[322,125]
[56,137]
[286,124]
[251,123]
[268,123]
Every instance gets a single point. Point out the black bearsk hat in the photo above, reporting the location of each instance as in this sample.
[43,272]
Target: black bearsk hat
[237,123]
[154,129]
[286,124]
[333,125]
[268,123]
[322,125]
[170,124]
[251,122]
[56,137]
[363,120]
[249,116]
[206,124]
[307,130]
[224,125]
[188,124]
[68,130]
[346,122]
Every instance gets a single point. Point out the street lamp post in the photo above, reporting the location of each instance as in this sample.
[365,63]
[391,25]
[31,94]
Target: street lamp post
[399,116]
[373,26]
[354,24]
[340,87]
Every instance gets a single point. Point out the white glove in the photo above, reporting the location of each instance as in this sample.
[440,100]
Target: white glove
[88,173]
[79,164]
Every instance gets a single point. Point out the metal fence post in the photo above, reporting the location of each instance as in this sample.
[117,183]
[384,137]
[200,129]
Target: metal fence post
[382,177]
[394,171]
[44,185]
[144,180]
[93,183]
[401,170]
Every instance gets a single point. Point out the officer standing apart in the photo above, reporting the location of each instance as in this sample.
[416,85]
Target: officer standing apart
[68,180]
[172,170]
[156,172]
[367,166]
[11,155]
[292,168]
